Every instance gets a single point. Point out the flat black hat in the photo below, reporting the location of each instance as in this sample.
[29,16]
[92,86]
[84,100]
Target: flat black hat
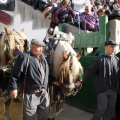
[110,42]
[37,42]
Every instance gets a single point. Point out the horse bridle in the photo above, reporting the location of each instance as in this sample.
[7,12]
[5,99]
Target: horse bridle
[69,87]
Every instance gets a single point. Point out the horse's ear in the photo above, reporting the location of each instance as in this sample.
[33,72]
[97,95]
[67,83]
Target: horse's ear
[71,36]
[22,30]
[79,54]
[7,30]
[65,56]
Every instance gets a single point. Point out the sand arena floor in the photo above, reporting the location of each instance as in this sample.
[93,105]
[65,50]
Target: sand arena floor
[15,109]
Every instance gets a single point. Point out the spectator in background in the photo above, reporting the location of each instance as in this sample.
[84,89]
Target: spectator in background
[107,12]
[100,12]
[117,1]
[54,5]
[64,14]
[99,5]
[92,2]
[89,20]
[79,6]
[116,6]
[106,7]
[109,3]
[115,14]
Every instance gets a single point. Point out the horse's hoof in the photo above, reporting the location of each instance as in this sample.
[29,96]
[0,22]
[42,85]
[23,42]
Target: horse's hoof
[6,117]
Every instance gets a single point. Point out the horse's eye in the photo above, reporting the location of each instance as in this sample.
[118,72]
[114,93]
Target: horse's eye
[17,43]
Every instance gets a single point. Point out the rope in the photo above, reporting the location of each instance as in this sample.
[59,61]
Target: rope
[24,86]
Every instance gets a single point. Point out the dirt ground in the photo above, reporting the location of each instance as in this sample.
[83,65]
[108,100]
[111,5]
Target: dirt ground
[15,109]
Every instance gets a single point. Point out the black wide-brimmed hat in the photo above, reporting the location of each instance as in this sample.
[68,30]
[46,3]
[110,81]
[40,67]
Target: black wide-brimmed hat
[110,42]
[37,42]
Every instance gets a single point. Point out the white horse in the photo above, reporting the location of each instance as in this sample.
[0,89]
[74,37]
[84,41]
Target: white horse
[66,66]
[66,69]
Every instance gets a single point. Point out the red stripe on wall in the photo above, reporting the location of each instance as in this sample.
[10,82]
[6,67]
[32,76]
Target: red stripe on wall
[5,18]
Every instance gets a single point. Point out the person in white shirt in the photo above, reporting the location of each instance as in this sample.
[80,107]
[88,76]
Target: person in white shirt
[79,6]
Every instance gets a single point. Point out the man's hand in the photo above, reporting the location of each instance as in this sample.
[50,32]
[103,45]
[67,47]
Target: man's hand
[78,84]
[91,26]
[14,93]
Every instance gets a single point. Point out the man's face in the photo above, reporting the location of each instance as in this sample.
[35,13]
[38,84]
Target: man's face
[87,9]
[110,49]
[37,50]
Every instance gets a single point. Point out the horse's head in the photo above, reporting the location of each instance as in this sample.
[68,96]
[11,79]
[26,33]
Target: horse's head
[70,72]
[14,40]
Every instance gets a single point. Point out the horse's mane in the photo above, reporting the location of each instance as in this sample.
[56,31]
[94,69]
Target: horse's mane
[11,40]
[2,52]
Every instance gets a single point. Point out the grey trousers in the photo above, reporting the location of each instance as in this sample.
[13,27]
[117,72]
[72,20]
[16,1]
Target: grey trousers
[36,105]
[106,104]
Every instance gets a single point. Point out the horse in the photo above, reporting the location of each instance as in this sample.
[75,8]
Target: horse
[65,69]
[11,42]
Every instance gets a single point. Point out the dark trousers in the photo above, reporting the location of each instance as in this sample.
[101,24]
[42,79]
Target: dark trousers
[106,104]
[118,107]
[4,81]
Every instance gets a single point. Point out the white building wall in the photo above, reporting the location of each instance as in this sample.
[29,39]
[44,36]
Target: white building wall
[35,26]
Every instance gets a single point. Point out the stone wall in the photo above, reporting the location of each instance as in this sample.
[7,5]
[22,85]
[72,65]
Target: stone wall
[114,29]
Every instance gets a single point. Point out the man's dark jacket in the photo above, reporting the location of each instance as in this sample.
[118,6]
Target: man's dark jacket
[33,76]
[106,70]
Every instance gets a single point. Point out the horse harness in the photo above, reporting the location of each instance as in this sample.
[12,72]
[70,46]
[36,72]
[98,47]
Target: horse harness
[68,87]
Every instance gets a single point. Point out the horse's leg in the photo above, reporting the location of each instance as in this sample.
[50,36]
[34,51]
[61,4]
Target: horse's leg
[6,96]
[6,109]
[2,81]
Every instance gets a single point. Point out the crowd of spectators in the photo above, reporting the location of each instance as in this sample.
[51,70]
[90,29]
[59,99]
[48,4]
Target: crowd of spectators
[85,12]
